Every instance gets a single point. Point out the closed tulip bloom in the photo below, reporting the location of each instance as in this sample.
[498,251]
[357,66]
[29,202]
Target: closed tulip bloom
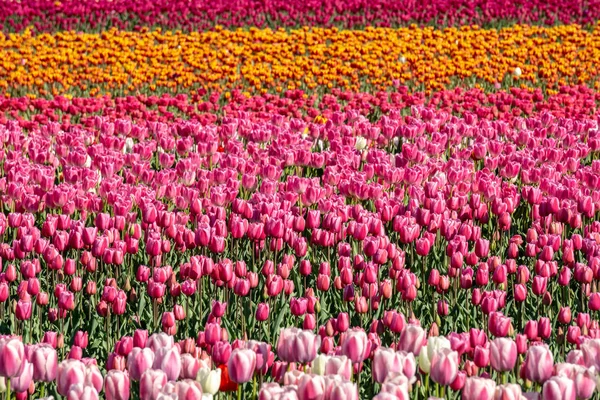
[412,339]
[311,387]
[139,361]
[434,344]
[189,367]
[509,391]
[355,345]
[21,382]
[45,363]
[444,366]
[262,312]
[12,355]
[151,383]
[343,391]
[140,337]
[478,388]
[296,345]
[559,388]
[503,354]
[187,389]
[210,380]
[116,385]
[81,339]
[339,366]
[241,365]
[168,360]
[93,377]
[81,392]
[159,340]
[70,372]
[481,356]
[385,362]
[539,364]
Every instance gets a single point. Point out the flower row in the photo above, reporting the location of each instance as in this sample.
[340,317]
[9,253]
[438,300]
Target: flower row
[424,222]
[260,61]
[49,15]
[574,102]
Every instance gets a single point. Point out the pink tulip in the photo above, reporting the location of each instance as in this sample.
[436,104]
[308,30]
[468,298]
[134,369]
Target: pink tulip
[311,387]
[297,345]
[45,363]
[478,388]
[538,363]
[168,360]
[509,391]
[412,339]
[116,385]
[139,361]
[241,365]
[81,392]
[188,389]
[151,383]
[12,355]
[444,366]
[189,367]
[559,387]
[503,354]
[355,345]
[339,366]
[70,372]
[24,378]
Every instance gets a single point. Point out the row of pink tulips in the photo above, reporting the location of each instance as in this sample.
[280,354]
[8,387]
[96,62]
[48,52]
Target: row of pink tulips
[365,234]
[48,16]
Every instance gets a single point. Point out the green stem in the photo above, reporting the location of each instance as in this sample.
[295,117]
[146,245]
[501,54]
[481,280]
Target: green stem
[239,392]
[7,388]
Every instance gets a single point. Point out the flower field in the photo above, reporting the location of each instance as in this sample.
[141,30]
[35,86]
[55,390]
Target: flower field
[299,200]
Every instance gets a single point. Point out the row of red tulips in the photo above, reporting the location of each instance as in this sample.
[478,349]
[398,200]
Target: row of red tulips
[574,102]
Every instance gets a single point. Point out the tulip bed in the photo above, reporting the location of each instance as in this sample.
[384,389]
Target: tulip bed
[261,200]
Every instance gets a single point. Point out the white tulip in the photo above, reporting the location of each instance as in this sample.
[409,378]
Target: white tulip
[318,365]
[210,380]
[361,143]
[517,72]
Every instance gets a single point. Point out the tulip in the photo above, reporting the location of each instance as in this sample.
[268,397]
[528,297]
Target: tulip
[412,339]
[24,377]
[12,355]
[433,345]
[241,365]
[444,366]
[116,384]
[478,388]
[70,372]
[151,383]
[168,360]
[297,345]
[508,391]
[503,354]
[559,387]
[355,345]
[45,363]
[139,361]
[538,363]
[311,387]
[189,367]
[81,392]
[210,380]
[262,312]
